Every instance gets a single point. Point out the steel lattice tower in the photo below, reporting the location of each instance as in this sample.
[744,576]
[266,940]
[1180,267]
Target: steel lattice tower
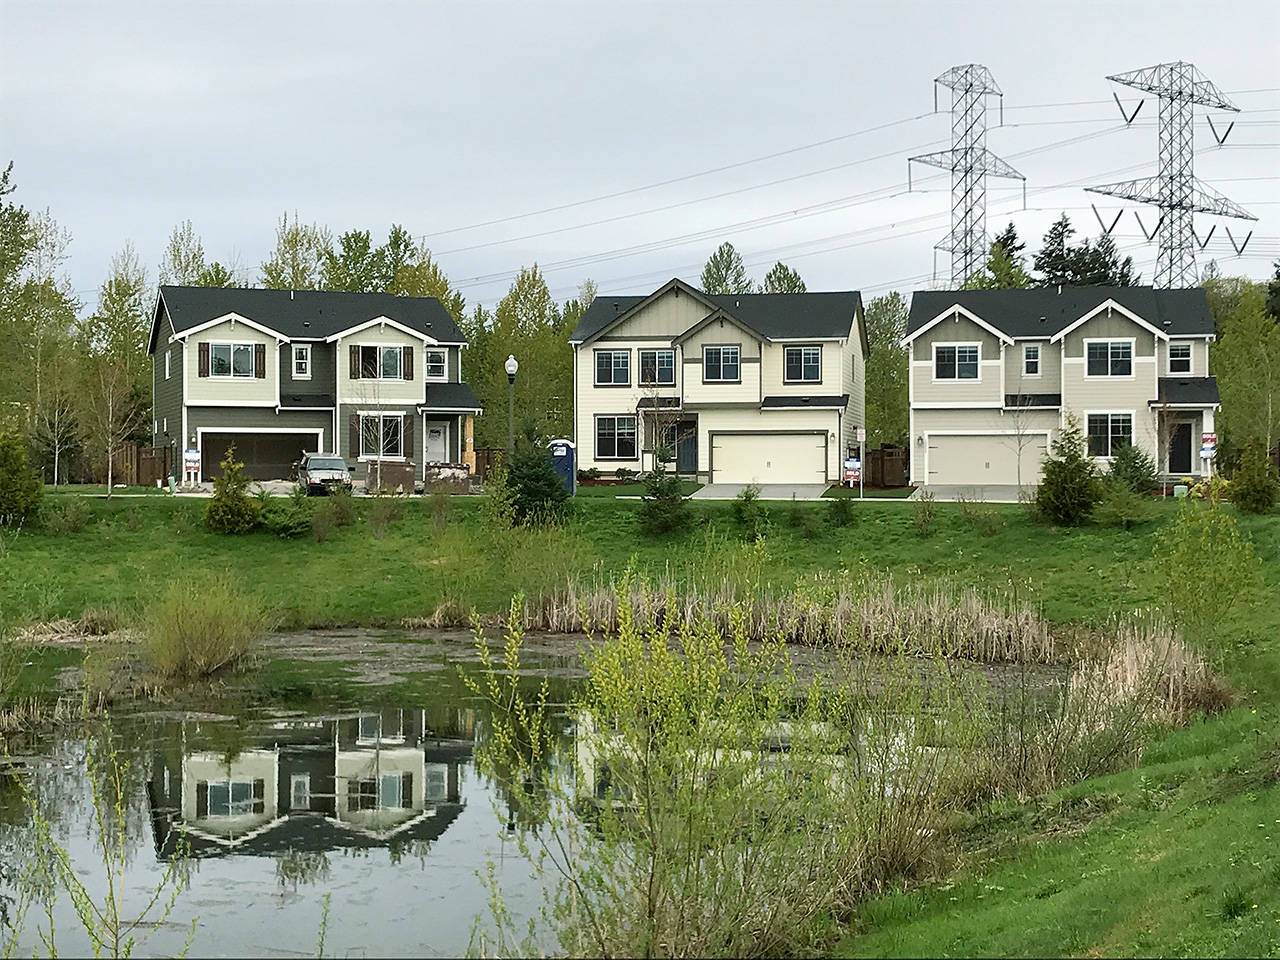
[970,163]
[1175,190]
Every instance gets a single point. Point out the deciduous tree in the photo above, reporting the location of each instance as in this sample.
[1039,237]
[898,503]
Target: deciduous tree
[887,407]
[183,260]
[725,272]
[296,262]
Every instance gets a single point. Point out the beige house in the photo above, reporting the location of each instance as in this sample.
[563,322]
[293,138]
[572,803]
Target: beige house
[995,373]
[749,388]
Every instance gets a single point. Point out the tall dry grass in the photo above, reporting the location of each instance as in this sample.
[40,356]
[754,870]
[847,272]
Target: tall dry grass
[201,625]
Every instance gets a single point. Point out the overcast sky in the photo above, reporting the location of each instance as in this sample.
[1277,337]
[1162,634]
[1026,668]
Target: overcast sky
[126,118]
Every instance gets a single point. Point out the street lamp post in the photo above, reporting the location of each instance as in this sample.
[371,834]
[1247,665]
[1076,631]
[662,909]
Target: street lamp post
[511,366]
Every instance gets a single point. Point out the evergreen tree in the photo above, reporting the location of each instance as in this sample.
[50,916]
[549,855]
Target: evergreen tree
[1099,264]
[1054,261]
[1273,294]
[1008,238]
[725,272]
[782,279]
[1069,487]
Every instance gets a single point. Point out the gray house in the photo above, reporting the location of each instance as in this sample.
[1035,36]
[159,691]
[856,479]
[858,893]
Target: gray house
[281,372]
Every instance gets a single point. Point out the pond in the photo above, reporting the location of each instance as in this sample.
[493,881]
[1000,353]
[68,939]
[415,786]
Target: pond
[369,796]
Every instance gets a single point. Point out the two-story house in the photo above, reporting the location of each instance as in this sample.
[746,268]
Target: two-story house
[281,372]
[995,373]
[735,388]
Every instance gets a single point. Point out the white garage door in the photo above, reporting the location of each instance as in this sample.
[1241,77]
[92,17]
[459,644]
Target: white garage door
[985,458]
[769,458]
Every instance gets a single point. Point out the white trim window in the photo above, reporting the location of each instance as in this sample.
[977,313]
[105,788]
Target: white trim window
[231,798]
[378,362]
[435,363]
[232,361]
[168,359]
[1108,432]
[802,364]
[657,368]
[956,361]
[722,364]
[613,368]
[1031,360]
[300,791]
[382,436]
[1108,358]
[1179,358]
[616,437]
[302,361]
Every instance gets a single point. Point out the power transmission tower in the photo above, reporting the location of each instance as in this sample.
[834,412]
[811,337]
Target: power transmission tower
[970,163]
[1174,190]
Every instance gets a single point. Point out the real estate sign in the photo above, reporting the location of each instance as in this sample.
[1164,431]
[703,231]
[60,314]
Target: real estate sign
[1208,446]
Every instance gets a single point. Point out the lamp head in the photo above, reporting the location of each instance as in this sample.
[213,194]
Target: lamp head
[512,365]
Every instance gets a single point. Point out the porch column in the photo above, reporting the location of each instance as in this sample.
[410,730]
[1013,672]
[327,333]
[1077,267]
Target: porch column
[469,443]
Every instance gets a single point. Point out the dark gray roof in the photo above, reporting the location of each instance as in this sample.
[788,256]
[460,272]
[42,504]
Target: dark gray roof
[1033,399]
[1044,310]
[659,403]
[450,396]
[306,313]
[306,400]
[838,402]
[1198,390]
[770,315]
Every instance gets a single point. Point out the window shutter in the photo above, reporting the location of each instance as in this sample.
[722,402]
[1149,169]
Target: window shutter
[408,363]
[259,786]
[406,790]
[353,449]
[202,786]
[353,794]
[355,362]
[204,360]
[406,435]
[260,361]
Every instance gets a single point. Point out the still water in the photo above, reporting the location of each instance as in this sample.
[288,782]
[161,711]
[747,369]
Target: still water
[375,802]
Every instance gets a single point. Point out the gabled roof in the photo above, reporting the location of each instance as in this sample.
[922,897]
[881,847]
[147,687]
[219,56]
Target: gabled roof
[1048,311]
[772,316]
[301,314]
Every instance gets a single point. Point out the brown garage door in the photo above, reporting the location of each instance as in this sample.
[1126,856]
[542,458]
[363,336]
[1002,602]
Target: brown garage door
[266,456]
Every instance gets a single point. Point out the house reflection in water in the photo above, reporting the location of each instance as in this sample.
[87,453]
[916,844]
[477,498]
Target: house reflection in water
[373,779]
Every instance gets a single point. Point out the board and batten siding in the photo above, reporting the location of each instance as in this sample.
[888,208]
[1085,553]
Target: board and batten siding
[1199,357]
[230,391]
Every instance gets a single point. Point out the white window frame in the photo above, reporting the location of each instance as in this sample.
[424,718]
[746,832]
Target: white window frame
[613,368]
[168,359]
[381,416]
[305,359]
[640,355]
[635,428]
[722,347]
[958,345]
[296,779]
[427,363]
[1027,360]
[231,360]
[1110,455]
[1189,358]
[786,351]
[1133,358]
[166,424]
[378,364]
[231,808]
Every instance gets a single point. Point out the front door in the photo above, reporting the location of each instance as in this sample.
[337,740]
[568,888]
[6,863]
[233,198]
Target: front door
[687,447]
[1180,449]
[437,442]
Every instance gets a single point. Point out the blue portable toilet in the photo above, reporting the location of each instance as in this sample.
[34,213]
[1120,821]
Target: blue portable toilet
[564,459]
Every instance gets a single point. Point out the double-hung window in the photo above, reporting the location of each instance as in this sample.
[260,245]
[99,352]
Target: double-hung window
[1031,360]
[616,438]
[1108,432]
[802,365]
[381,435]
[381,363]
[302,361]
[657,368]
[1108,358]
[1179,358]
[955,361]
[435,362]
[721,364]
[232,798]
[613,368]
[231,359]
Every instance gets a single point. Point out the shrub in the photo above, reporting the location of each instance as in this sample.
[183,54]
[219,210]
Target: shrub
[979,515]
[20,486]
[201,625]
[386,511]
[840,512]
[662,506]
[585,476]
[287,518]
[497,505]
[99,621]
[625,474]
[1132,467]
[231,509]
[805,521]
[1069,489]
[1256,484]
[324,521]
[750,512]
[1121,506]
[924,513]
[537,492]
[439,505]
[342,507]
[69,516]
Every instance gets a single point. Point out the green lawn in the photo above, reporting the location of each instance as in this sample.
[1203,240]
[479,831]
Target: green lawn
[100,490]
[882,493]
[628,489]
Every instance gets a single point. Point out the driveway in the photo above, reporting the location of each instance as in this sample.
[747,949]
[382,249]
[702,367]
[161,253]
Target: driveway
[987,493]
[768,491]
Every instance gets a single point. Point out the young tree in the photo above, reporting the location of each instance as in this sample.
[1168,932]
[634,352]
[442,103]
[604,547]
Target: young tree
[183,260]
[1069,489]
[56,430]
[1002,272]
[1246,360]
[299,255]
[215,275]
[887,407]
[725,272]
[421,276]
[782,279]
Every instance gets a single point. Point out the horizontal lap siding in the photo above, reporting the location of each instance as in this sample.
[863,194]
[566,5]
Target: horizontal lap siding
[209,391]
[167,394]
[322,370]
[247,418]
[346,410]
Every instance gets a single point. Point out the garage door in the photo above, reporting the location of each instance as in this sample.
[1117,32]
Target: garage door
[769,458]
[266,456]
[985,459]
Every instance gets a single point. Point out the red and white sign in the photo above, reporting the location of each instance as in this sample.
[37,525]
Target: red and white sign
[1208,446]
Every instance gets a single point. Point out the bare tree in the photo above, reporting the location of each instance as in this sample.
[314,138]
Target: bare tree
[113,409]
[55,416]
